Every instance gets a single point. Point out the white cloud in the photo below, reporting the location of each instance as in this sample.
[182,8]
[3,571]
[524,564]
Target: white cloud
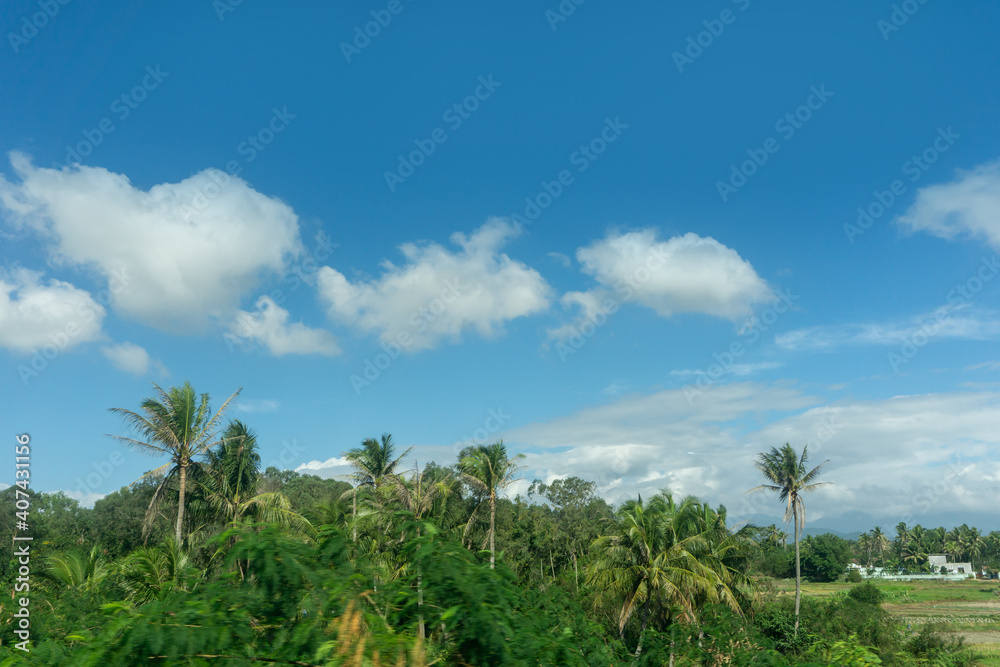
[561,259]
[268,325]
[175,256]
[735,369]
[85,499]
[335,462]
[967,206]
[893,458]
[132,358]
[986,365]
[968,323]
[439,294]
[33,315]
[252,406]
[685,274]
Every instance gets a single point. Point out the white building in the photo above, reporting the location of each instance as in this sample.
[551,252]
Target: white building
[937,561]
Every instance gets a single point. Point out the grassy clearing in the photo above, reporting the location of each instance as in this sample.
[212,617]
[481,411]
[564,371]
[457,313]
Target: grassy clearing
[970,608]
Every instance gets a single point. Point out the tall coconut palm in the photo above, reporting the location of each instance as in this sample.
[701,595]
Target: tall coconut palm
[373,465]
[179,423]
[488,469]
[788,476]
[879,543]
[902,538]
[865,546]
[661,557]
[972,544]
[418,496]
[229,479]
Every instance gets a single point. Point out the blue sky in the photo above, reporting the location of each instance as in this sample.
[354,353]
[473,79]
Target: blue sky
[268,198]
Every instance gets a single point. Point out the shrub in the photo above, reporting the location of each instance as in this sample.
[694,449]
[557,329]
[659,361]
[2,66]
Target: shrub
[867,593]
[854,577]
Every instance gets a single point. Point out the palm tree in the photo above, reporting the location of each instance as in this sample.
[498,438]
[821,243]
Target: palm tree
[178,423]
[663,556]
[488,469]
[788,476]
[972,544]
[75,571]
[229,478]
[865,545]
[373,464]
[418,496]
[902,537]
[879,543]
[149,572]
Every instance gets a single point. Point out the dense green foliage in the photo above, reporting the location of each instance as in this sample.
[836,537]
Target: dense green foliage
[433,566]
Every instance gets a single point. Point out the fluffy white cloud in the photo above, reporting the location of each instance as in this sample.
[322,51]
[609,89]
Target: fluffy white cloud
[335,462]
[685,274]
[174,256]
[897,459]
[438,293]
[268,325]
[967,206]
[33,314]
[132,358]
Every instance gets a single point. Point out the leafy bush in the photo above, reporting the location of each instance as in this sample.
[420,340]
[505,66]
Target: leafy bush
[868,593]
[932,644]
[854,577]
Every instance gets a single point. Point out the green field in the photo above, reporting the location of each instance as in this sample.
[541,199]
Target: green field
[968,608]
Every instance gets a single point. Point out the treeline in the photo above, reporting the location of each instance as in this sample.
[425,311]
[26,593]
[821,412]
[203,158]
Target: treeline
[415,567]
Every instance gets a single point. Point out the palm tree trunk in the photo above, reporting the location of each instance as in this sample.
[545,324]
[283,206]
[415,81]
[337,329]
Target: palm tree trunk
[420,606]
[180,504]
[354,515]
[798,571]
[642,630]
[576,572]
[493,516]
